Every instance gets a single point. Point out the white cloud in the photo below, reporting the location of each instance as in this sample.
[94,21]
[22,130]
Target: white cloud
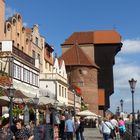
[131,46]
[126,67]
[25,24]
[125,71]
[9,12]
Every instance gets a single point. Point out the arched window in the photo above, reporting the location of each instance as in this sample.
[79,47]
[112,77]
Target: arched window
[14,22]
[19,18]
[8,27]
[27,41]
[23,29]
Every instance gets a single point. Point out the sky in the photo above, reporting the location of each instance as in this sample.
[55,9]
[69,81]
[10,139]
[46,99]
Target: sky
[58,19]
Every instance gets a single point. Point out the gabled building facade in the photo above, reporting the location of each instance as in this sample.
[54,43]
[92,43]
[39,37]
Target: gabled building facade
[55,82]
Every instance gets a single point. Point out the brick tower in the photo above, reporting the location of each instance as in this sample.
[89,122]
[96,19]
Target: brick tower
[2,18]
[96,83]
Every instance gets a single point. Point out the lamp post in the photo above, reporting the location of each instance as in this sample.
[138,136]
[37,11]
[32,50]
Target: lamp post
[121,102]
[74,102]
[11,90]
[36,101]
[132,83]
[118,111]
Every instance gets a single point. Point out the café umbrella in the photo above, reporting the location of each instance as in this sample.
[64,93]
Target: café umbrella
[86,113]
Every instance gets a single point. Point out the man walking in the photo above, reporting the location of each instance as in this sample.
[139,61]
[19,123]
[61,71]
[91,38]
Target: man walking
[69,128]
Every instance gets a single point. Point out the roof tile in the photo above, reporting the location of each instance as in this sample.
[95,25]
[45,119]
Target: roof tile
[96,37]
[76,56]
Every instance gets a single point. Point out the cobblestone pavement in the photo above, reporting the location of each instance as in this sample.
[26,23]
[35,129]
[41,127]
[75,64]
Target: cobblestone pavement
[92,134]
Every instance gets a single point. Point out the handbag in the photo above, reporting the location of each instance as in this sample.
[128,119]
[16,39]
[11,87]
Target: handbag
[112,132]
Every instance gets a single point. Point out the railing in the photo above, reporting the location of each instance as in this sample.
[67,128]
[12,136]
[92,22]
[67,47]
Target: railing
[53,76]
[129,130]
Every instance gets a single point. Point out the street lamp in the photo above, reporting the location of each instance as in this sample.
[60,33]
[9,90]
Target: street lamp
[11,90]
[74,102]
[36,101]
[132,83]
[121,102]
[118,111]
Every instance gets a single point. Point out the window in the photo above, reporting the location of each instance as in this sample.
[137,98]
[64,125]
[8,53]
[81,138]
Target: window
[27,41]
[8,27]
[65,93]
[23,29]
[26,75]
[22,48]
[14,22]
[18,34]
[0,46]
[80,71]
[19,18]
[49,67]
[17,71]
[36,41]
[59,90]
[39,57]
[62,91]
[31,77]
[33,54]
[46,65]
[1,66]
[48,53]
[18,45]
[81,84]
[34,79]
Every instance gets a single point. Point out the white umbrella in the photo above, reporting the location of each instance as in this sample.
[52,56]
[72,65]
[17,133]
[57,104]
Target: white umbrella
[91,117]
[86,113]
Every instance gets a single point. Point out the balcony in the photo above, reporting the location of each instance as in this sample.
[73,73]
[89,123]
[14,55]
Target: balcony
[53,76]
[23,55]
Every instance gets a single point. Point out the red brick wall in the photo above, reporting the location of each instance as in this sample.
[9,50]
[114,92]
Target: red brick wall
[87,75]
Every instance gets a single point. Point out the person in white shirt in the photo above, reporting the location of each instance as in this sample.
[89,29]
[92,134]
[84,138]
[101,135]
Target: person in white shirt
[106,129]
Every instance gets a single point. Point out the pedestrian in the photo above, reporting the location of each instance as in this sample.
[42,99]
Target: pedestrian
[122,129]
[77,132]
[69,128]
[62,127]
[6,133]
[114,123]
[81,128]
[22,133]
[106,129]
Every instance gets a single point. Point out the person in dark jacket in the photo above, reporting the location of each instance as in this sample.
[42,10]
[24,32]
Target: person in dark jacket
[81,128]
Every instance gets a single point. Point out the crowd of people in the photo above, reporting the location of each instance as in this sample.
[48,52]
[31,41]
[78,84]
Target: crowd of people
[112,127]
[68,128]
[18,131]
